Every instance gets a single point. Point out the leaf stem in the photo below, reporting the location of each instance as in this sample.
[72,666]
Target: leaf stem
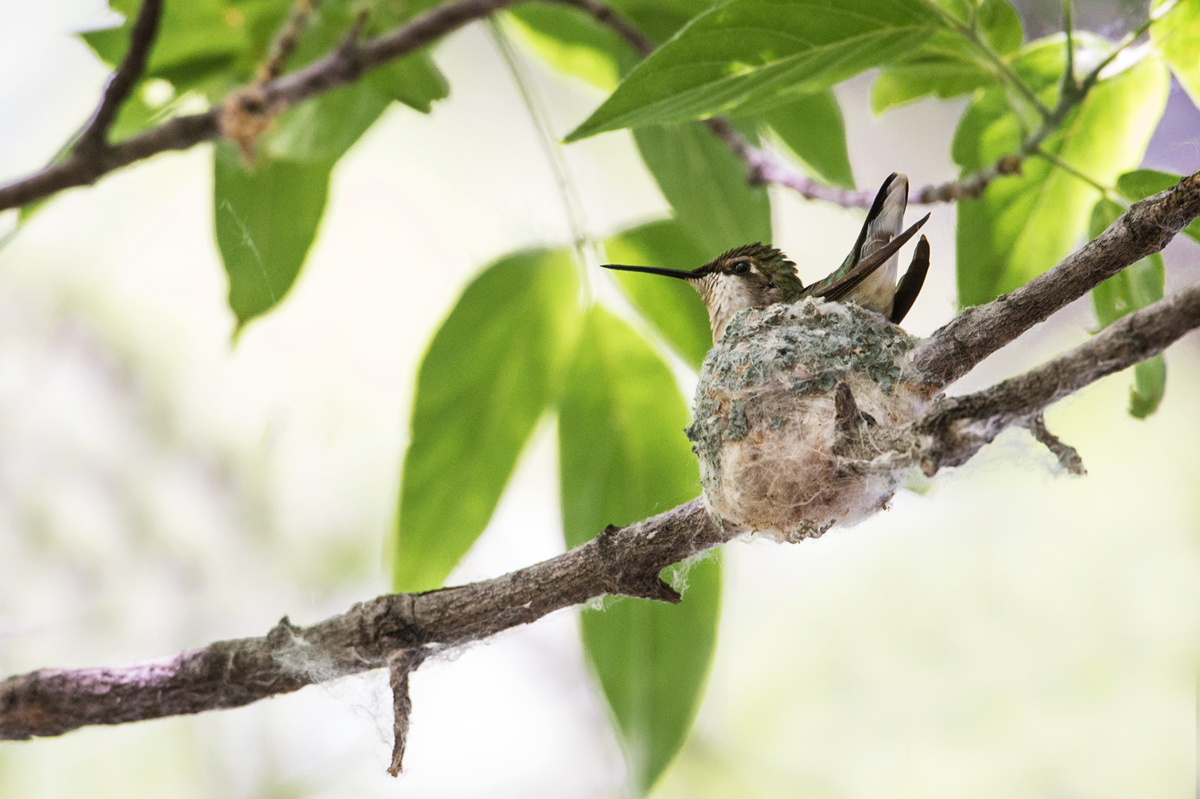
[1069,84]
[1108,192]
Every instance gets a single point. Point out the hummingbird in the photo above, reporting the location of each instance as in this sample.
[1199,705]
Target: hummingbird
[757,275]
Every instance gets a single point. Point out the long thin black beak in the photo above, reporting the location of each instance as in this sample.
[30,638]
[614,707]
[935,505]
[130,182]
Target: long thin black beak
[652,270]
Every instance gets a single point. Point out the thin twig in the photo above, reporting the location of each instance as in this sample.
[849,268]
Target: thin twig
[141,39]
[1075,172]
[1068,456]
[1069,84]
[763,169]
[400,665]
[286,40]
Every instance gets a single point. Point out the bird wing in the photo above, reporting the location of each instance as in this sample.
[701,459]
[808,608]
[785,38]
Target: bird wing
[910,284]
[839,288]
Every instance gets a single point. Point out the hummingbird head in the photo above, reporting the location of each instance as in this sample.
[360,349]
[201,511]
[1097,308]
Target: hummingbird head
[750,276]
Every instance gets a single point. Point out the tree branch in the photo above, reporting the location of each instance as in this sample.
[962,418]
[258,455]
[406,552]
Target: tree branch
[270,97]
[960,426]
[234,673]
[628,561]
[141,39]
[977,332]
[340,67]
[398,631]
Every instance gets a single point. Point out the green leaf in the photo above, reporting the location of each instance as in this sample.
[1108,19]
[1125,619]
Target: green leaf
[746,52]
[1177,36]
[266,218]
[205,35]
[1149,385]
[948,64]
[652,660]
[1001,26]
[490,373]
[323,129]
[624,457]
[812,130]
[1138,285]
[1023,225]
[706,186]
[573,43]
[672,306]
[1142,183]
[935,76]
[661,19]
[996,20]
[413,80]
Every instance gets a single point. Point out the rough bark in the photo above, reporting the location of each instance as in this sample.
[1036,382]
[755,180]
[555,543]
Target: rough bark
[977,332]
[233,673]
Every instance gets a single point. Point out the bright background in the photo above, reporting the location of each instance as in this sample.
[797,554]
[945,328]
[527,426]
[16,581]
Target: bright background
[1011,631]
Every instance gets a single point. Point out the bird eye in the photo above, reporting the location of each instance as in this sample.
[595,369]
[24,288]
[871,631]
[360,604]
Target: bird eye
[741,267]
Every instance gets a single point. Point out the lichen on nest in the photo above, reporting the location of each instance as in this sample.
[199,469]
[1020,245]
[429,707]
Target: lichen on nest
[772,456]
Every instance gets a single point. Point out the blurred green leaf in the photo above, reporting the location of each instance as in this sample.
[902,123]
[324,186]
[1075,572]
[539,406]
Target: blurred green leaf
[1024,224]
[323,129]
[1138,285]
[413,80]
[672,306]
[266,218]
[573,43]
[1001,26]
[745,52]
[490,372]
[204,36]
[624,457]
[996,20]
[705,183]
[1177,36]
[811,128]
[1141,183]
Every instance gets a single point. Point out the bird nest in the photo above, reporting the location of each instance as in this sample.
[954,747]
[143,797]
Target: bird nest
[799,414]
